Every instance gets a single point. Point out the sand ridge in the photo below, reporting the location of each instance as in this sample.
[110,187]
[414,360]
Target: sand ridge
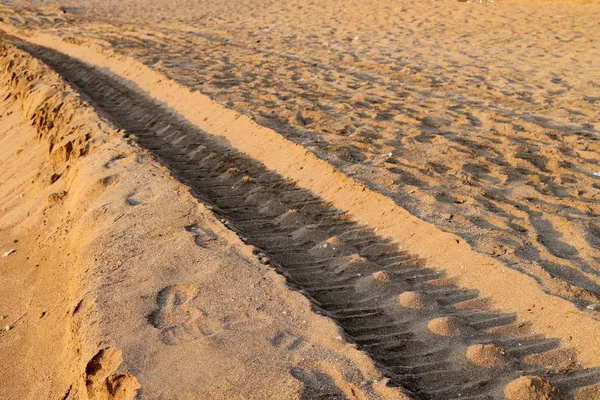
[479,118]
[395,337]
[141,304]
[555,253]
[350,196]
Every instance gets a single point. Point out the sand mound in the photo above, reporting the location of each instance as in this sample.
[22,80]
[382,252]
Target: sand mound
[309,233]
[382,276]
[417,301]
[486,355]
[355,264]
[449,326]
[332,247]
[292,218]
[531,388]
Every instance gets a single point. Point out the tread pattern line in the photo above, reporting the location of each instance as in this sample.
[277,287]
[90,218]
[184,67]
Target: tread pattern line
[433,338]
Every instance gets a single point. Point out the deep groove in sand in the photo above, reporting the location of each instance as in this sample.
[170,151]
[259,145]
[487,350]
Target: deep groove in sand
[412,321]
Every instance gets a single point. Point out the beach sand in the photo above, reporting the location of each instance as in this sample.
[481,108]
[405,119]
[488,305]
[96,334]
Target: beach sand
[469,124]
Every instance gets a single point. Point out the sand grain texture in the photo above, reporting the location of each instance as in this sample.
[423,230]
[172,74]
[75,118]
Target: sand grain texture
[468,258]
[109,281]
[479,118]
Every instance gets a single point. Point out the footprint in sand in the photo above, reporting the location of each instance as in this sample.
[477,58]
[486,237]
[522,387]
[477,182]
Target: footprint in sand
[202,237]
[181,322]
[178,321]
[102,380]
[287,340]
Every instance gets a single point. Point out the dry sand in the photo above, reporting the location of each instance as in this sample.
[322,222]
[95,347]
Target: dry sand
[481,119]
[105,260]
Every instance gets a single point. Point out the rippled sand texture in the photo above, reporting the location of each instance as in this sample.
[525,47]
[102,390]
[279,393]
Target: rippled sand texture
[480,118]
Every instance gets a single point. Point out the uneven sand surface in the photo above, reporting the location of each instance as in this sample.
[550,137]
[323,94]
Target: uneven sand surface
[422,330]
[109,268]
[479,118]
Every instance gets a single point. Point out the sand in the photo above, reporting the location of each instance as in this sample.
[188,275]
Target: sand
[116,283]
[454,136]
[479,118]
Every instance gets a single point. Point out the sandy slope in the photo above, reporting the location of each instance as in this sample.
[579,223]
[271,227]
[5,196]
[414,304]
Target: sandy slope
[105,260]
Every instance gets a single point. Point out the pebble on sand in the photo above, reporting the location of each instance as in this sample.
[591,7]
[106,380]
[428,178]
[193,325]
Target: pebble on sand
[8,253]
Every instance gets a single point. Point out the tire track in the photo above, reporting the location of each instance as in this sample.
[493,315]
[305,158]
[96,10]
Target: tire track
[436,339]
